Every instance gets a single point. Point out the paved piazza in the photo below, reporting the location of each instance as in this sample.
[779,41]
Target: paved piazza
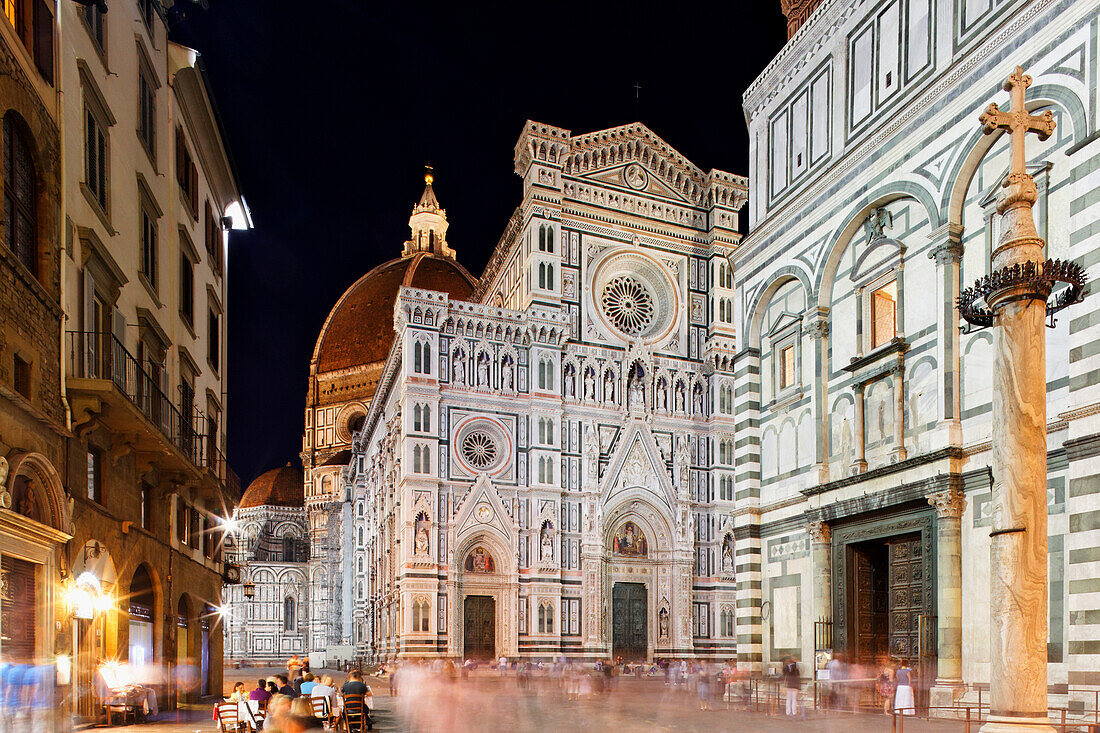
[486,702]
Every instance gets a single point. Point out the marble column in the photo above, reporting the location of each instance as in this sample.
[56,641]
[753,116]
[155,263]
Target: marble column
[1018,536]
[947,252]
[950,505]
[821,555]
[816,323]
[859,465]
[898,377]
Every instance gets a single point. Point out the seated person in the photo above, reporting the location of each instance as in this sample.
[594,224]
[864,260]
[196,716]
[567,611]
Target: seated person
[301,717]
[260,693]
[239,694]
[356,686]
[326,688]
[307,684]
[285,688]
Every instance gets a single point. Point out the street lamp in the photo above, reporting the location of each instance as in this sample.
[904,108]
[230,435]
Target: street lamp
[249,590]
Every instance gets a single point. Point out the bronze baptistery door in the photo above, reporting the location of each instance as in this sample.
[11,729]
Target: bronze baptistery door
[479,627]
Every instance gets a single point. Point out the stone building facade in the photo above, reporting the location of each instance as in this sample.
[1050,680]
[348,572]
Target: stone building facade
[863,484]
[35,515]
[113,345]
[547,465]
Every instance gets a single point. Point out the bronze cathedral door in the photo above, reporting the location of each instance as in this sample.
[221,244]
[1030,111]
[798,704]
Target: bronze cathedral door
[628,621]
[479,628]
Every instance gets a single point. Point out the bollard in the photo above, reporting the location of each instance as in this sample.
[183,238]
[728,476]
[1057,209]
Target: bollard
[967,720]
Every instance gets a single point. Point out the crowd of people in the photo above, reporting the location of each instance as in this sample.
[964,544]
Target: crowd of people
[287,700]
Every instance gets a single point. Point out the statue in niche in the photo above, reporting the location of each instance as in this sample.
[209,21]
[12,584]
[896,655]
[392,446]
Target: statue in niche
[589,383]
[459,372]
[24,499]
[680,397]
[546,543]
[507,375]
[662,623]
[662,395]
[881,419]
[636,389]
[571,381]
[727,555]
[697,398]
[483,370]
[591,450]
[420,546]
[609,386]
[683,461]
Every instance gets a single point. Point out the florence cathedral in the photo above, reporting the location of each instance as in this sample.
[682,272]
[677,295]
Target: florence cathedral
[639,433]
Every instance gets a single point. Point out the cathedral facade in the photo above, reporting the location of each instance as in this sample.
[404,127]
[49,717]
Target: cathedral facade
[539,472]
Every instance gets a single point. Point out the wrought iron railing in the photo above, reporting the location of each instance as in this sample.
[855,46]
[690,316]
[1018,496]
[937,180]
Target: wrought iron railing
[99,355]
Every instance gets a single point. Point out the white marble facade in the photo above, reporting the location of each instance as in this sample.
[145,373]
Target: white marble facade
[872,201]
[560,435]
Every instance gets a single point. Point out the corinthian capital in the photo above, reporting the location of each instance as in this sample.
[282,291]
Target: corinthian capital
[948,502]
[820,532]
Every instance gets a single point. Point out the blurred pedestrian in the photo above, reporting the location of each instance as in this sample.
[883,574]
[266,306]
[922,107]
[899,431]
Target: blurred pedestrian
[793,682]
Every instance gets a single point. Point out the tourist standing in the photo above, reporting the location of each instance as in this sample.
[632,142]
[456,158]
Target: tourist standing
[793,682]
[904,702]
[293,665]
[885,684]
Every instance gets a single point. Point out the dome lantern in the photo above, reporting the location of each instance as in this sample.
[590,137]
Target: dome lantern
[428,224]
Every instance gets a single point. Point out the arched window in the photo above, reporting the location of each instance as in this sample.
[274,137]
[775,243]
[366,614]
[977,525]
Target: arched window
[421,615]
[359,565]
[550,239]
[546,618]
[360,535]
[542,275]
[20,186]
[422,358]
[426,417]
[549,277]
[289,620]
[288,549]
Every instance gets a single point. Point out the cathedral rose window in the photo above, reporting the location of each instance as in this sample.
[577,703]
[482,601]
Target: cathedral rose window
[635,296]
[479,449]
[628,304]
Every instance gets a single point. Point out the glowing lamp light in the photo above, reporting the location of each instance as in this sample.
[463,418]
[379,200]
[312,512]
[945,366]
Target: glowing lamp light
[82,602]
[249,590]
[104,603]
[228,525]
[64,669]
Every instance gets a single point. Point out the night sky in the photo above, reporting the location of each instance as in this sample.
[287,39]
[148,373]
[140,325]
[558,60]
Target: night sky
[332,108]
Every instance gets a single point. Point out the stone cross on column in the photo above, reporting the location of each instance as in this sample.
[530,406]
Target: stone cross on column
[1016,298]
[1017,121]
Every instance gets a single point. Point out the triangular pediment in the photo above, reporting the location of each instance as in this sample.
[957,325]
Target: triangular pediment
[636,178]
[638,463]
[483,509]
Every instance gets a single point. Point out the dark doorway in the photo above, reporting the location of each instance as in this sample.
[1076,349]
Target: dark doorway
[628,621]
[479,627]
[887,598]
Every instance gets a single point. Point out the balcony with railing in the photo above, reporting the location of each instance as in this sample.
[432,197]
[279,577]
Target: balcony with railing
[107,384]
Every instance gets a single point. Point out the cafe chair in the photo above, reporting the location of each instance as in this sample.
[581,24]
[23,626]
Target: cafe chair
[355,717]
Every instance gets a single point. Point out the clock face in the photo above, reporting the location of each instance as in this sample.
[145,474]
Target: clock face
[483,512]
[233,573]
